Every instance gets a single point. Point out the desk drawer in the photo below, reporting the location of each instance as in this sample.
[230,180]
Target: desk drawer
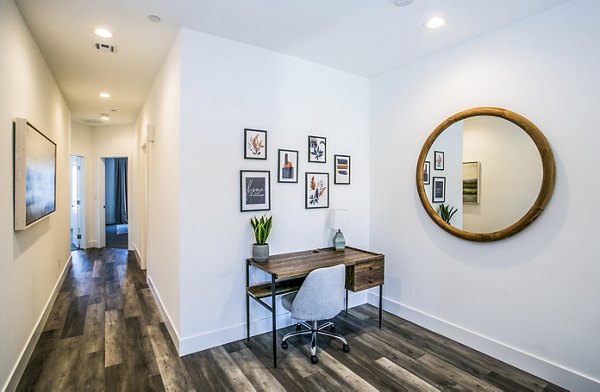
[365,275]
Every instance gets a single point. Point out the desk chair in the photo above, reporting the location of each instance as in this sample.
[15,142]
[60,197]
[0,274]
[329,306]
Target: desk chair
[321,297]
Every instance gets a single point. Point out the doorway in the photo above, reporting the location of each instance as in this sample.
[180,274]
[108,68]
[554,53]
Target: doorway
[116,216]
[76,198]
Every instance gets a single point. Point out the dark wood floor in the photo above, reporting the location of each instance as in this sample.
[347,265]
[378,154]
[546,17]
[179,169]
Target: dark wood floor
[116,239]
[106,334]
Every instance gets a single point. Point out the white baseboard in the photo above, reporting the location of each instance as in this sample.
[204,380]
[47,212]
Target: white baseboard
[540,367]
[165,315]
[138,256]
[19,368]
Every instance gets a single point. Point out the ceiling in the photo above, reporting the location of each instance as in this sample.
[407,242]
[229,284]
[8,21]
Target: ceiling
[363,37]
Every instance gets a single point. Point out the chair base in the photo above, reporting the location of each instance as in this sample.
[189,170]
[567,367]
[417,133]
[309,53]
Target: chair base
[314,331]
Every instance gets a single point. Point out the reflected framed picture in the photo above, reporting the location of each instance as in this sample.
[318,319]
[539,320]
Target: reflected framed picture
[438,157]
[287,166]
[341,175]
[34,175]
[317,190]
[255,190]
[317,149]
[426,171]
[255,144]
[438,194]
[471,183]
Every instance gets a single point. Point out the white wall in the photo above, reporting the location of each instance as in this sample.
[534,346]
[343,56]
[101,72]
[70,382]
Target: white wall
[530,299]
[33,259]
[227,86]
[159,236]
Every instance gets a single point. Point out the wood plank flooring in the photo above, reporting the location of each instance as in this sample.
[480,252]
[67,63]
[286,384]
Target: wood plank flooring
[105,334]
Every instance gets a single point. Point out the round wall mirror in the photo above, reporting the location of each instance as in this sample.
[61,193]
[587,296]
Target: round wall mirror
[485,174]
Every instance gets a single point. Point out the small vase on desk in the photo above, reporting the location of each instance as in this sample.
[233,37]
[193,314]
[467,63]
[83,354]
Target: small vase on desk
[260,252]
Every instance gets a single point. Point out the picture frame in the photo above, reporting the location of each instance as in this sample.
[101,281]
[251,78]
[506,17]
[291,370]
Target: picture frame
[471,182]
[438,190]
[34,175]
[287,166]
[317,190]
[317,149]
[438,160]
[426,173]
[255,144]
[342,169]
[255,190]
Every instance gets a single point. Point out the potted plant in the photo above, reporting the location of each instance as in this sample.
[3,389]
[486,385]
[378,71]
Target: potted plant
[446,212]
[261,228]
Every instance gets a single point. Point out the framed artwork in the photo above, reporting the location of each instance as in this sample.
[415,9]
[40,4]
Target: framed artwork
[255,144]
[287,166]
[438,157]
[471,172]
[426,178]
[438,194]
[255,190]
[34,175]
[341,175]
[317,190]
[317,149]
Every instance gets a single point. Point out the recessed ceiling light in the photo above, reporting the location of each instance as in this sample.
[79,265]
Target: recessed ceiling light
[435,22]
[102,32]
[104,116]
[104,95]
[154,18]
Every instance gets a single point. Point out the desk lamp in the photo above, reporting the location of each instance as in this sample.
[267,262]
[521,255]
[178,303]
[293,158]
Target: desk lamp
[336,222]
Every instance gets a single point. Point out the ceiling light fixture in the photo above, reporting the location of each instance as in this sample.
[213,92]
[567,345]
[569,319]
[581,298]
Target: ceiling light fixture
[104,95]
[102,32]
[156,19]
[402,3]
[435,23]
[104,116]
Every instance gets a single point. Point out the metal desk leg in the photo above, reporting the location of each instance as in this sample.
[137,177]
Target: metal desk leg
[346,300]
[380,304]
[247,302]
[274,331]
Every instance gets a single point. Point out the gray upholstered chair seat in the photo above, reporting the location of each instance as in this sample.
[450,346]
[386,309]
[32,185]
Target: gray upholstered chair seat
[321,297]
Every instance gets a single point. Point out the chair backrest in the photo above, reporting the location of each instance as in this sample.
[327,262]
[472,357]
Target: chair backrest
[321,295]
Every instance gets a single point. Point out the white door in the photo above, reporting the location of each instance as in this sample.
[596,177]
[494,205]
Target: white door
[76,201]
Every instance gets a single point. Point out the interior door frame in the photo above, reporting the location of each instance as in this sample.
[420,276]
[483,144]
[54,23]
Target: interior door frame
[81,197]
[101,186]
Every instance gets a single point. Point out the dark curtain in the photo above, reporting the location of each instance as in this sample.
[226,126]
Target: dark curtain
[121,190]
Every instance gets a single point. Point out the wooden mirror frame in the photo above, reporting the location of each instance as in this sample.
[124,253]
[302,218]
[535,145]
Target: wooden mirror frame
[548,173]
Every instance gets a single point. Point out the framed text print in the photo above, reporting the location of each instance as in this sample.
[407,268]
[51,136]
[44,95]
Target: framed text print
[255,190]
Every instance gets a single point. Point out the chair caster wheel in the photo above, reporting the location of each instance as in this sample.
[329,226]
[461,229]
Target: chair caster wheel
[314,359]
[298,327]
[346,348]
[284,345]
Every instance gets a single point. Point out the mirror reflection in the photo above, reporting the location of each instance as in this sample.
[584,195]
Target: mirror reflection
[485,174]
[492,172]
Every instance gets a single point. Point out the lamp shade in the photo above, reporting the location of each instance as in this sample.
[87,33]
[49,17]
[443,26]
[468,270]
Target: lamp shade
[338,218]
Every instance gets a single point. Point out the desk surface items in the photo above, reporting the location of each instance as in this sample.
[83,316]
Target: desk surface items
[364,270]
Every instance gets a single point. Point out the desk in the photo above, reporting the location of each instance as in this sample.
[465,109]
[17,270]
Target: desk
[364,270]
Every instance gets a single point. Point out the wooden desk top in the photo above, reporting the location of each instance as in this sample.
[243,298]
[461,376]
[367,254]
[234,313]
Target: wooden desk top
[289,265]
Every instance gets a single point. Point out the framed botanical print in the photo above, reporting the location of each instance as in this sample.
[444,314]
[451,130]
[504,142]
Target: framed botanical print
[255,144]
[287,166]
[317,149]
[438,157]
[255,190]
[341,175]
[317,190]
[438,194]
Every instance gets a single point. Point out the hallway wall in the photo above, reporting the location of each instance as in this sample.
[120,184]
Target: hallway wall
[33,259]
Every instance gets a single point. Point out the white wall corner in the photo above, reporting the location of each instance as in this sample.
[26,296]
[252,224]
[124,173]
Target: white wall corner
[19,368]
